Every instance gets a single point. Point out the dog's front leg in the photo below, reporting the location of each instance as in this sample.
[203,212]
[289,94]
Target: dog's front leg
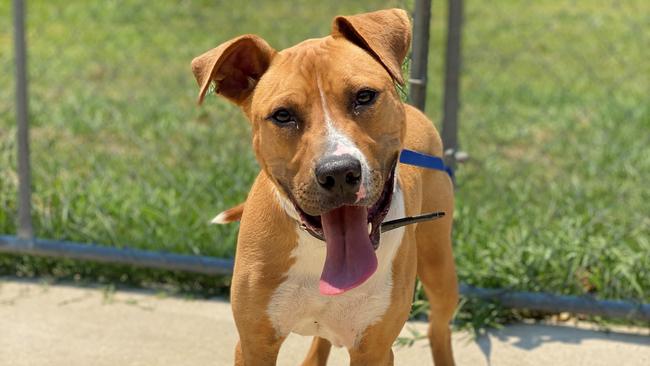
[384,358]
[258,343]
[264,245]
[375,346]
[248,353]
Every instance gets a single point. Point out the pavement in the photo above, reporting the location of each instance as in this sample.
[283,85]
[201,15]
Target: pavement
[55,325]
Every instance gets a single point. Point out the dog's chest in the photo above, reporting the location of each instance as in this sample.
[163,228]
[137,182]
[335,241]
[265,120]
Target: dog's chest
[297,305]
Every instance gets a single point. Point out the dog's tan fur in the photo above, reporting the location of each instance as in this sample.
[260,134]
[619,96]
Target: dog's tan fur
[363,50]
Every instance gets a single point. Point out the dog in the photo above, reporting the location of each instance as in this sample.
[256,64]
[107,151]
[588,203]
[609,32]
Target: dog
[328,125]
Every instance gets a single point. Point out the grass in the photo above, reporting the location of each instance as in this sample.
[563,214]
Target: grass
[555,117]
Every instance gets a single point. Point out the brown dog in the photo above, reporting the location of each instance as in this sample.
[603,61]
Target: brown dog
[328,125]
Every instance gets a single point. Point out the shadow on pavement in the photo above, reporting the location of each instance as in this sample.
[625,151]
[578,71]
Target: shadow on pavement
[531,336]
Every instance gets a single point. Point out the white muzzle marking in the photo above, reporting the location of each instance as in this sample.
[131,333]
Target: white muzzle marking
[338,143]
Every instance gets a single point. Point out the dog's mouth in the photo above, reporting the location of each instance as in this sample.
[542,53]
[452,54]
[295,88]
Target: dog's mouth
[375,214]
[352,234]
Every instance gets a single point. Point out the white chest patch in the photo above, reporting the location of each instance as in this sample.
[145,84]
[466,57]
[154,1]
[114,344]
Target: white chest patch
[297,305]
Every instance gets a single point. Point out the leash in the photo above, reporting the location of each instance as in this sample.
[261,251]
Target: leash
[397,223]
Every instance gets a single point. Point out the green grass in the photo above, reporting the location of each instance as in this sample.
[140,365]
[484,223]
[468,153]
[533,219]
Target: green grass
[557,119]
[555,116]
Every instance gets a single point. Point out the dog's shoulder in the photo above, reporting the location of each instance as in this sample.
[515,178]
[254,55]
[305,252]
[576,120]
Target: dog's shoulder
[421,133]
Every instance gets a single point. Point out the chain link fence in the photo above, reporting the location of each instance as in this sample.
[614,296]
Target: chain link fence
[122,157]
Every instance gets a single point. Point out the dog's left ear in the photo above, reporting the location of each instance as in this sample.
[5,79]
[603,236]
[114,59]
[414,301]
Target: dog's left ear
[385,34]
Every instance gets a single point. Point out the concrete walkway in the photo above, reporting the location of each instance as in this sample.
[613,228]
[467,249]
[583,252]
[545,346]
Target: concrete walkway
[60,325]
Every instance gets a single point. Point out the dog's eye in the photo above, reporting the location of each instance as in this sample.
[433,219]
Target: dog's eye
[365,97]
[282,116]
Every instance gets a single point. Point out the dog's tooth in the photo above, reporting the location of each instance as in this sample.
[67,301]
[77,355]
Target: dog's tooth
[369,227]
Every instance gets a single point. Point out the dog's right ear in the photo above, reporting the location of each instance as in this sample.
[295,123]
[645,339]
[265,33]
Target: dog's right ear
[235,67]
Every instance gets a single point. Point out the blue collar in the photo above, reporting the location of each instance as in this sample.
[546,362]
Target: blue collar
[411,157]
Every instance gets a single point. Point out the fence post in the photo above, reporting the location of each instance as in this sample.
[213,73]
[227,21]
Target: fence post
[452,72]
[420,54]
[25,230]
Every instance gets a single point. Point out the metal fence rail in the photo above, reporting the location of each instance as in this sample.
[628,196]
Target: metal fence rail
[25,230]
[105,254]
[539,301]
[451,102]
[420,54]
[26,243]
[223,266]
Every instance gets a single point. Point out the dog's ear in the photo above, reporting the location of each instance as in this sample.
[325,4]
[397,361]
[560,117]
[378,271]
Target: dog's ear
[235,67]
[385,34]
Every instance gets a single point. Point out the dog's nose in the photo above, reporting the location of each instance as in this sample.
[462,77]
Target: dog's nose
[339,174]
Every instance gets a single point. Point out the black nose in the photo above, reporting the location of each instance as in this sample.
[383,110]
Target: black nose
[339,174]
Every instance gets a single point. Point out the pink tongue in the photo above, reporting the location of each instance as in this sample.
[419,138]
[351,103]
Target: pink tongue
[350,258]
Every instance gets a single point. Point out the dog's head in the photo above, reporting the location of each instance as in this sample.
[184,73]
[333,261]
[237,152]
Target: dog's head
[327,121]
